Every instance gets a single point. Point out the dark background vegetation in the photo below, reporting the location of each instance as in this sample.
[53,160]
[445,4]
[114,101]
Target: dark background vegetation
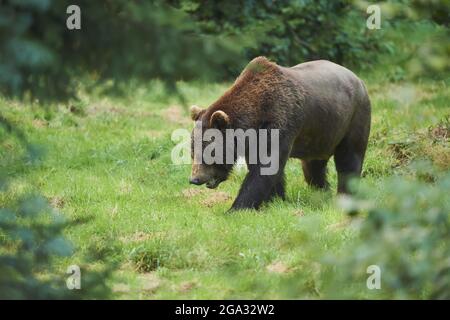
[191,39]
[124,41]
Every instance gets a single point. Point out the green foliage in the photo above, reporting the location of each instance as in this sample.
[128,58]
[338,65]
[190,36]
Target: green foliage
[118,40]
[28,244]
[416,39]
[290,31]
[31,241]
[406,233]
[191,39]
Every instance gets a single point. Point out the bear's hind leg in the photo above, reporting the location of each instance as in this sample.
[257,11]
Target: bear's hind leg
[315,172]
[350,152]
[348,159]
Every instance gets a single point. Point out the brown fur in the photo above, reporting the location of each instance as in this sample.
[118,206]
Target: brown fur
[320,109]
[258,84]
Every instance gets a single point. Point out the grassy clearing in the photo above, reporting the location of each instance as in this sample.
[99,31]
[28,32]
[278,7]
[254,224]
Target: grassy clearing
[108,159]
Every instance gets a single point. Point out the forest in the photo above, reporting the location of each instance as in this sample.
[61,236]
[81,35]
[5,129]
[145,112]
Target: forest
[92,206]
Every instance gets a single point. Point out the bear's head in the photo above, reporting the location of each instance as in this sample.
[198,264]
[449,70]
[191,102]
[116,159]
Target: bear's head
[209,171]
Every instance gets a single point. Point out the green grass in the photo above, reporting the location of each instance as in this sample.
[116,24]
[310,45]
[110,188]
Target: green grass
[108,159]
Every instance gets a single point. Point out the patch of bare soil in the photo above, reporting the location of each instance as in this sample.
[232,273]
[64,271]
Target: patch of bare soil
[215,198]
[439,132]
[299,213]
[186,286]
[211,197]
[175,114]
[278,267]
[39,123]
[57,202]
[121,288]
[192,192]
[138,237]
[149,282]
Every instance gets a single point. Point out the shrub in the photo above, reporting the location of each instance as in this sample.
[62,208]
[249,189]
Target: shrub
[406,233]
[291,32]
[119,40]
[32,242]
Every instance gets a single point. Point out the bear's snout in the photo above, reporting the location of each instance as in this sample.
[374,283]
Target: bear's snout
[195,181]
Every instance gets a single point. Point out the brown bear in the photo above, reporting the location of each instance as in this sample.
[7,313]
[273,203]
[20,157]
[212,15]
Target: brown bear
[320,109]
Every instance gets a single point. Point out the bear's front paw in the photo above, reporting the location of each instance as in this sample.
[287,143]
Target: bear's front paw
[243,206]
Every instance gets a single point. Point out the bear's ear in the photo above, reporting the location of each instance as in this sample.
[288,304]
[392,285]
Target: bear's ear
[219,120]
[195,112]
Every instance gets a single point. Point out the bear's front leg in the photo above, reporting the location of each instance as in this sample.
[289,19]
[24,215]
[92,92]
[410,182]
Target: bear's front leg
[257,189]
[260,185]
[254,191]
